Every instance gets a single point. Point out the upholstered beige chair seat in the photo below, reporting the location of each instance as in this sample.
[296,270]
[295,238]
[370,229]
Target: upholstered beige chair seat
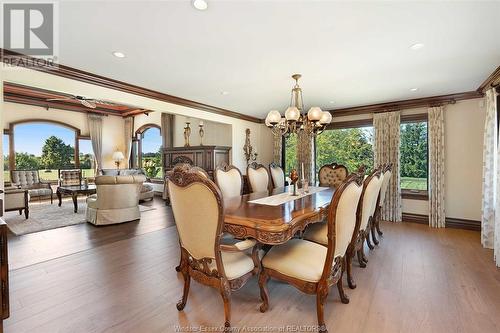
[297,258]
[236,264]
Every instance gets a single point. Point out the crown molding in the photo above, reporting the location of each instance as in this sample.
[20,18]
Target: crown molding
[406,104]
[83,76]
[492,81]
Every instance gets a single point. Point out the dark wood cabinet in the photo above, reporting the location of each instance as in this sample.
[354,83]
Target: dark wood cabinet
[206,157]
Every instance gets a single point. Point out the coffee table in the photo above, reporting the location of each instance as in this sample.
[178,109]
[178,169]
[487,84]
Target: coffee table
[74,191]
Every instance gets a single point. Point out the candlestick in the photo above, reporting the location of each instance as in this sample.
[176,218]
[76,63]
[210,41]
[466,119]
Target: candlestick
[303,176]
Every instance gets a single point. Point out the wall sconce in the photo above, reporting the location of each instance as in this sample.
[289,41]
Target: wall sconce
[250,155]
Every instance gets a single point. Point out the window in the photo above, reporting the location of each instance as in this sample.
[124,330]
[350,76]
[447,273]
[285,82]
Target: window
[414,156]
[352,147]
[6,172]
[148,146]
[45,147]
[290,151]
[86,157]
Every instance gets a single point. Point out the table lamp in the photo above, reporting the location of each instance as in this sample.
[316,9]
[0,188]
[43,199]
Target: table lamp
[118,157]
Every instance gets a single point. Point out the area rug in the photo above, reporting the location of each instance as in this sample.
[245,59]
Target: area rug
[44,216]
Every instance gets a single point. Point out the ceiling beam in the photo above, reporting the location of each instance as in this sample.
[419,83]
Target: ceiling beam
[79,75]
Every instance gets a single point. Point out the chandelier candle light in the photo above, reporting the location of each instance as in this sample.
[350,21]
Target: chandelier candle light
[295,120]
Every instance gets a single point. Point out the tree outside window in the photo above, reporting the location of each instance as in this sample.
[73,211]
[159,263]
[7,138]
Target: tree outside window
[352,147]
[414,156]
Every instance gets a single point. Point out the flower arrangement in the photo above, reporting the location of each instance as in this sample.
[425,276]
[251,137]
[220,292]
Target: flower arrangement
[150,168]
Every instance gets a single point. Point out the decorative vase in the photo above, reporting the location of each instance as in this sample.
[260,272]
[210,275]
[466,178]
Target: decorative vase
[187,133]
[202,132]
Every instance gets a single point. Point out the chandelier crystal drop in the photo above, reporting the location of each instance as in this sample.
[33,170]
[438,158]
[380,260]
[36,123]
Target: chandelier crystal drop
[296,120]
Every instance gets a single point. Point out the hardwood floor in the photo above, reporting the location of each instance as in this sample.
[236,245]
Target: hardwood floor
[122,279]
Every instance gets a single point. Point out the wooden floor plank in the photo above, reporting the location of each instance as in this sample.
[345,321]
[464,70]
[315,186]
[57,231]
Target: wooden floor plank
[122,279]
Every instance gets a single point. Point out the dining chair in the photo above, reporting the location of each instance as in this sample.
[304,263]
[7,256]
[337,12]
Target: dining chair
[371,189]
[198,211]
[258,177]
[313,268]
[277,175]
[229,180]
[332,174]
[377,216]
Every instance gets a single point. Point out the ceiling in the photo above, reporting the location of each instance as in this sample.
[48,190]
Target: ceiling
[16,93]
[351,53]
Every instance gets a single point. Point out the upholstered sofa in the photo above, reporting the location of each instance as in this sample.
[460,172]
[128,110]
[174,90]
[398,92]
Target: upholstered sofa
[116,200]
[147,189]
[30,180]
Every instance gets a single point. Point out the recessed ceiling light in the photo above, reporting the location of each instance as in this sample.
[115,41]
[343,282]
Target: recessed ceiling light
[417,46]
[200,4]
[413,89]
[224,92]
[331,102]
[119,54]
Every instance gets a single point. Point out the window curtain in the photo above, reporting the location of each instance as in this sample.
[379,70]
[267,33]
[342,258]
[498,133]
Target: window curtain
[305,156]
[95,131]
[490,221]
[129,133]
[167,130]
[386,150]
[277,141]
[437,218]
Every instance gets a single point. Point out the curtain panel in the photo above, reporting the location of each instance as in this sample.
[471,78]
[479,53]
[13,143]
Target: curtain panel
[95,131]
[386,150]
[167,130]
[277,146]
[128,134]
[489,172]
[437,217]
[490,214]
[305,156]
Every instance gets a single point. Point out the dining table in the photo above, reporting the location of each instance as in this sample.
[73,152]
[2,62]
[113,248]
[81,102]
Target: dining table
[275,216]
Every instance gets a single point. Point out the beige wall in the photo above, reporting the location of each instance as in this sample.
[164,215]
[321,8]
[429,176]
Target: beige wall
[261,136]
[464,128]
[112,131]
[216,134]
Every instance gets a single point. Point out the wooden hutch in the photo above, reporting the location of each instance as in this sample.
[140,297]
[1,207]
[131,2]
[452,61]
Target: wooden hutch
[206,157]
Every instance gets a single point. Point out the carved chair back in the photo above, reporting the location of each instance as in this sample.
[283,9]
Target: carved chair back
[372,186]
[258,177]
[332,174]
[277,175]
[387,174]
[198,212]
[344,208]
[229,180]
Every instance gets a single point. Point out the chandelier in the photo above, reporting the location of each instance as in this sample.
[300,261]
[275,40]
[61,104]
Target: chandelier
[295,119]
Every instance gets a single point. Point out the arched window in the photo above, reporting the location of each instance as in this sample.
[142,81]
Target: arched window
[43,145]
[146,152]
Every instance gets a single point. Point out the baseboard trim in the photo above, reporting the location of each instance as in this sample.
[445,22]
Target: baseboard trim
[451,222]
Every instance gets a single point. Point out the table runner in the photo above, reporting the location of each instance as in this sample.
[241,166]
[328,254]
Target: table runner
[279,199]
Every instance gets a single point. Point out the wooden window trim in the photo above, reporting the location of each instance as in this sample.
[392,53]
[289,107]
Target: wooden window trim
[415,194]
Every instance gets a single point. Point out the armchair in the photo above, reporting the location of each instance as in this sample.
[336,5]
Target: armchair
[70,177]
[116,200]
[313,268]
[17,199]
[30,180]
[203,256]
